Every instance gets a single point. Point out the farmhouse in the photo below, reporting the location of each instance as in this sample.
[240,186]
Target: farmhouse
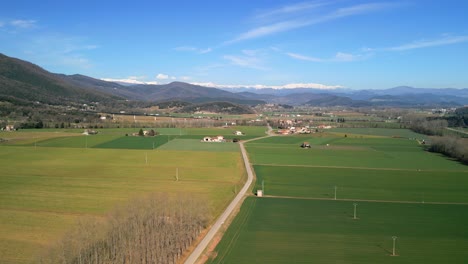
[214,139]
[238,133]
[9,128]
[89,132]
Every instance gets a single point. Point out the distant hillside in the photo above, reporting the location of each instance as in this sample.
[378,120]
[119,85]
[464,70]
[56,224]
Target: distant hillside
[334,100]
[186,92]
[218,108]
[22,82]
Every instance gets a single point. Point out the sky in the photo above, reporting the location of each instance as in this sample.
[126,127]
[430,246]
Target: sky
[355,44]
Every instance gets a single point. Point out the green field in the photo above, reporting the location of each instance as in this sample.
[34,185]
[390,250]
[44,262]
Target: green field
[121,138]
[403,133]
[401,190]
[44,190]
[349,152]
[197,145]
[271,230]
[367,184]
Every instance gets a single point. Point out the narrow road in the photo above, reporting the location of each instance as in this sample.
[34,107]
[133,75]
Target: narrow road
[459,131]
[217,225]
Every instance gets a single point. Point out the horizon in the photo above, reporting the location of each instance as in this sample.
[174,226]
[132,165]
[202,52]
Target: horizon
[356,45]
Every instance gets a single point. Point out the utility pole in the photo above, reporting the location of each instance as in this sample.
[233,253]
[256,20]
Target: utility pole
[394,242]
[355,205]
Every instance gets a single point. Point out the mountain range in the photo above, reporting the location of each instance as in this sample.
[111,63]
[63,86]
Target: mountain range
[22,82]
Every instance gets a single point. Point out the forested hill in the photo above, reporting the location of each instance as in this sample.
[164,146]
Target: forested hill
[22,82]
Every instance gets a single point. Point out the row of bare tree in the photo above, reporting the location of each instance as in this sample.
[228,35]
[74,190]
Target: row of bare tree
[156,229]
[455,147]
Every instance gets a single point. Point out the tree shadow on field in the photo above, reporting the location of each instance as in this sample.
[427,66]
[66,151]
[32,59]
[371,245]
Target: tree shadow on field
[384,249]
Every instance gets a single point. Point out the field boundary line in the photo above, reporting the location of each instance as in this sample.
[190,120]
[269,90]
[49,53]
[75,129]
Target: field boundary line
[361,200]
[349,167]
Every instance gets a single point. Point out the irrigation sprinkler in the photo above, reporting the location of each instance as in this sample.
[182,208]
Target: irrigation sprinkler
[394,242]
[355,205]
[177,174]
[335,192]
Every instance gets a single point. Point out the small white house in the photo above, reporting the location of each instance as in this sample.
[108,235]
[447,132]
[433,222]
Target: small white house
[259,193]
[238,133]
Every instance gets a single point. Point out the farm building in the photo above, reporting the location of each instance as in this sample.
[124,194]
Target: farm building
[89,132]
[214,139]
[238,133]
[9,128]
[259,193]
[305,145]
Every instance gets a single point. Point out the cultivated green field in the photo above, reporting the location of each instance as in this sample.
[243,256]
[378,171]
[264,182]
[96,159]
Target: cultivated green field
[348,152]
[368,184]
[272,230]
[122,138]
[401,190]
[403,133]
[45,190]
[196,144]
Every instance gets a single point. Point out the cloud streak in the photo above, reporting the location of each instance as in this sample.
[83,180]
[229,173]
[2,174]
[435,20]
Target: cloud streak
[291,9]
[193,49]
[429,43]
[339,57]
[253,59]
[291,24]
[19,23]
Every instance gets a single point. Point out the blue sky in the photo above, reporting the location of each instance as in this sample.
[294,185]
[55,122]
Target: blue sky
[318,44]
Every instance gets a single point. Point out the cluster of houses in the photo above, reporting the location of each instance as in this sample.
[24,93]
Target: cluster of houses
[221,138]
[145,133]
[214,139]
[301,130]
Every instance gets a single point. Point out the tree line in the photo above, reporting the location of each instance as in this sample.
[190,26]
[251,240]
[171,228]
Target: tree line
[156,229]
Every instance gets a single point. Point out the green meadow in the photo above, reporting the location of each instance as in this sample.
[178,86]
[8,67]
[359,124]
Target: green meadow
[274,230]
[367,184]
[46,187]
[402,190]
[348,152]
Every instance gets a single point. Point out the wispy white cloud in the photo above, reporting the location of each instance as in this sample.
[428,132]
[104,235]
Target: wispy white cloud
[338,57]
[429,43]
[269,30]
[303,57]
[292,23]
[193,49]
[360,9]
[291,9]
[263,86]
[19,23]
[249,59]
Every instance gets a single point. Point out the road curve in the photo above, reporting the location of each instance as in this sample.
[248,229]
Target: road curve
[217,225]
